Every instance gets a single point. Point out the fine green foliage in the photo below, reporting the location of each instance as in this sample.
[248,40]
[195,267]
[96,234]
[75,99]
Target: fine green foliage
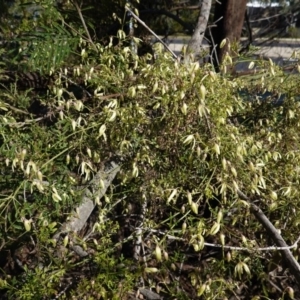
[186,139]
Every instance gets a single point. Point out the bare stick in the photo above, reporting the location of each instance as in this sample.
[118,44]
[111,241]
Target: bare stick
[139,233]
[151,31]
[84,25]
[235,248]
[290,260]
[214,49]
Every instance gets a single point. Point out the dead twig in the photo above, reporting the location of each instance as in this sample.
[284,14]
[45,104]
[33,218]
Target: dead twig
[84,25]
[151,31]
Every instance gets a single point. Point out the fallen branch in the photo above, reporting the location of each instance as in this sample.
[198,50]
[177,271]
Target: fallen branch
[93,191]
[288,257]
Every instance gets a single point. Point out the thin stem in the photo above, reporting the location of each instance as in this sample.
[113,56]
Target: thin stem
[84,25]
[151,31]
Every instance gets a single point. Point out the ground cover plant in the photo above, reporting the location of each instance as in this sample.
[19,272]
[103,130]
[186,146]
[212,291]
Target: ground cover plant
[193,160]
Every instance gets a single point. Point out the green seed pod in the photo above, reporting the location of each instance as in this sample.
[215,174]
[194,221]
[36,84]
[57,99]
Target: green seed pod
[223,43]
[27,224]
[151,270]
[202,92]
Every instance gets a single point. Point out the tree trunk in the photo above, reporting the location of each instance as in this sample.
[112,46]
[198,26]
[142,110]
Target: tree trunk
[197,37]
[228,18]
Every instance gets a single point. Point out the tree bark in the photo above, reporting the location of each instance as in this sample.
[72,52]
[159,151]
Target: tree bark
[197,37]
[228,18]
